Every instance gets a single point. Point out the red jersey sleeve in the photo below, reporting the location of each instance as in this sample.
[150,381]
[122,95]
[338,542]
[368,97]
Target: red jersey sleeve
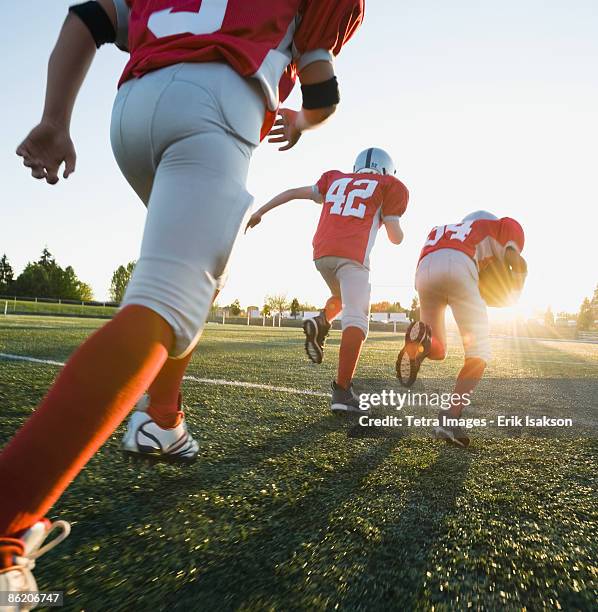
[326,25]
[511,233]
[395,200]
[323,183]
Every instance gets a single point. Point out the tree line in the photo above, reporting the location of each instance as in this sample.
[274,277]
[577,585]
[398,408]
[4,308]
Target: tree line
[43,278]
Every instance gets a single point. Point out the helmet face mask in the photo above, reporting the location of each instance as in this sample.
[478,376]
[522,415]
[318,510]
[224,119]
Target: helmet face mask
[374,160]
[479,215]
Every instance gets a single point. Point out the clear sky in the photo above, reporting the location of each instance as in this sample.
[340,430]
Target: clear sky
[482,104]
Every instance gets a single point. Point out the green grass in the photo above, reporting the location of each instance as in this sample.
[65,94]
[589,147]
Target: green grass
[286,511]
[22,307]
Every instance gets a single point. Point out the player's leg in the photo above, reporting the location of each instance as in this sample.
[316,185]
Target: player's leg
[470,312]
[471,315]
[316,329]
[199,188]
[354,280]
[425,338]
[332,308]
[91,396]
[163,400]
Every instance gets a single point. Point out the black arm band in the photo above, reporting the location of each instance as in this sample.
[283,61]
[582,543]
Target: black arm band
[93,15]
[320,95]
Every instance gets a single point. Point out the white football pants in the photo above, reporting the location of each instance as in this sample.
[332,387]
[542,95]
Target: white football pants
[350,281]
[183,137]
[448,277]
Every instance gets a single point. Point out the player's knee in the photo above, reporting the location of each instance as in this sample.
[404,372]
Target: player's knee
[353,317]
[182,300]
[479,351]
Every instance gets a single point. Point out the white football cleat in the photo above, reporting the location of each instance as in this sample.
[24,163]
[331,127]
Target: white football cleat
[144,438]
[19,577]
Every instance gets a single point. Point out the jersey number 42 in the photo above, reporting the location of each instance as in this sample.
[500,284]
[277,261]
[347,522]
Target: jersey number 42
[343,202]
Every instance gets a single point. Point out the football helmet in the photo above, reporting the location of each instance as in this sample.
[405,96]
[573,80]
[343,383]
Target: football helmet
[480,214]
[374,160]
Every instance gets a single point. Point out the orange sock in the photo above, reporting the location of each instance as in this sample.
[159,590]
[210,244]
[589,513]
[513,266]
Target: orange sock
[333,306]
[437,350]
[91,396]
[165,393]
[351,343]
[468,378]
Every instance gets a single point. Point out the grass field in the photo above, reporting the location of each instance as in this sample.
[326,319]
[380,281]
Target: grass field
[289,508]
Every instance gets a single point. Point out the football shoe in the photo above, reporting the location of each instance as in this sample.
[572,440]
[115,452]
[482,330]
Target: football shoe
[316,330]
[453,434]
[18,578]
[418,339]
[345,401]
[145,439]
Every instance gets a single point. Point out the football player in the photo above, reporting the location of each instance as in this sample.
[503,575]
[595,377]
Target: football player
[354,206]
[202,87]
[448,274]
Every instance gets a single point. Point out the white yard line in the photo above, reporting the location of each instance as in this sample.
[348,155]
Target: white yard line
[205,381]
[30,359]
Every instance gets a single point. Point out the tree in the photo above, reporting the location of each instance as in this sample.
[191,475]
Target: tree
[295,307]
[235,308]
[266,310]
[595,303]
[45,278]
[585,318]
[277,303]
[120,280]
[549,318]
[47,259]
[386,307]
[413,312]
[6,274]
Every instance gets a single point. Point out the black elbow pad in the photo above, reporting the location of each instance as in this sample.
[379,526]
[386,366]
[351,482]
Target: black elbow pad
[320,95]
[93,15]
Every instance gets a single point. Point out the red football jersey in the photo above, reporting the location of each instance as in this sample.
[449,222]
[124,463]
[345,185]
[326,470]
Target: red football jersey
[261,39]
[482,239]
[353,209]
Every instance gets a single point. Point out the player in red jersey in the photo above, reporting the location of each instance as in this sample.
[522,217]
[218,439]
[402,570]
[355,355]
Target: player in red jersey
[448,273]
[201,89]
[354,207]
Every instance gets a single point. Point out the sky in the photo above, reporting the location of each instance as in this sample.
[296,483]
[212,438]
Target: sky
[482,105]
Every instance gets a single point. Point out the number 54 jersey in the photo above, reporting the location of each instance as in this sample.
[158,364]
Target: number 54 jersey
[483,240]
[354,206]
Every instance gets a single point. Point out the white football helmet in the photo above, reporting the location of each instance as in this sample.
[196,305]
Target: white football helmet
[374,160]
[480,214]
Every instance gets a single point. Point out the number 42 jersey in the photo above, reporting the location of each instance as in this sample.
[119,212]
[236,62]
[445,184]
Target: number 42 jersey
[354,206]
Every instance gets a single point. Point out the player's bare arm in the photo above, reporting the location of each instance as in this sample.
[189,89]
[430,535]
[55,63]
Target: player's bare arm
[49,144]
[318,84]
[298,193]
[394,230]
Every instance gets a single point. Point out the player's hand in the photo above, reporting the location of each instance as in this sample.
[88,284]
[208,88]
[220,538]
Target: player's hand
[253,221]
[285,129]
[46,147]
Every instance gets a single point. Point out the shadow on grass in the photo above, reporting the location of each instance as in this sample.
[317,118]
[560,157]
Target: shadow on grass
[249,569]
[394,575]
